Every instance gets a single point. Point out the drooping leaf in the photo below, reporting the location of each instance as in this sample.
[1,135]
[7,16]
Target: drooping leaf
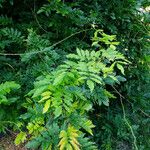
[58,111]
[46,106]
[120,67]
[88,125]
[90,84]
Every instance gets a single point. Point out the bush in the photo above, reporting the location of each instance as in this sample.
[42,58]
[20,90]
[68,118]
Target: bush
[37,51]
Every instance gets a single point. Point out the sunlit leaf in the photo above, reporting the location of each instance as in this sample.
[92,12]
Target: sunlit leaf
[46,106]
[90,85]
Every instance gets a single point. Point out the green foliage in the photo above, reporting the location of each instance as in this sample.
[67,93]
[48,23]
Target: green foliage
[62,95]
[72,89]
[4,20]
[69,139]
[7,100]
[12,34]
[5,89]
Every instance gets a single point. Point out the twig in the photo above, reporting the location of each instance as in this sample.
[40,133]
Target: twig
[36,19]
[47,48]
[145,113]
[9,66]
[11,132]
[125,119]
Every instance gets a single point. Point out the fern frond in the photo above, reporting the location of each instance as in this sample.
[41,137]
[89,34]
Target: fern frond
[69,139]
[86,144]
[35,41]
[4,20]
[45,9]
[13,34]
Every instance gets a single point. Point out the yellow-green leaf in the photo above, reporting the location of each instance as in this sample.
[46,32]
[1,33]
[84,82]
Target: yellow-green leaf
[44,98]
[46,106]
[47,93]
[88,125]
[90,85]
[59,78]
[21,137]
[69,139]
[120,68]
[58,111]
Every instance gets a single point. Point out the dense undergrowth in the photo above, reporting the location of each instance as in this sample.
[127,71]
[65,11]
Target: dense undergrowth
[75,74]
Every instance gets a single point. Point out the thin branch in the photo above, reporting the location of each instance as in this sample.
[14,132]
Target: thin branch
[125,119]
[36,19]
[47,48]
[144,113]
[11,54]
[147,115]
[9,66]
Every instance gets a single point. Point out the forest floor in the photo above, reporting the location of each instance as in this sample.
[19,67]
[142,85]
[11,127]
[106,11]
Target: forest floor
[7,143]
